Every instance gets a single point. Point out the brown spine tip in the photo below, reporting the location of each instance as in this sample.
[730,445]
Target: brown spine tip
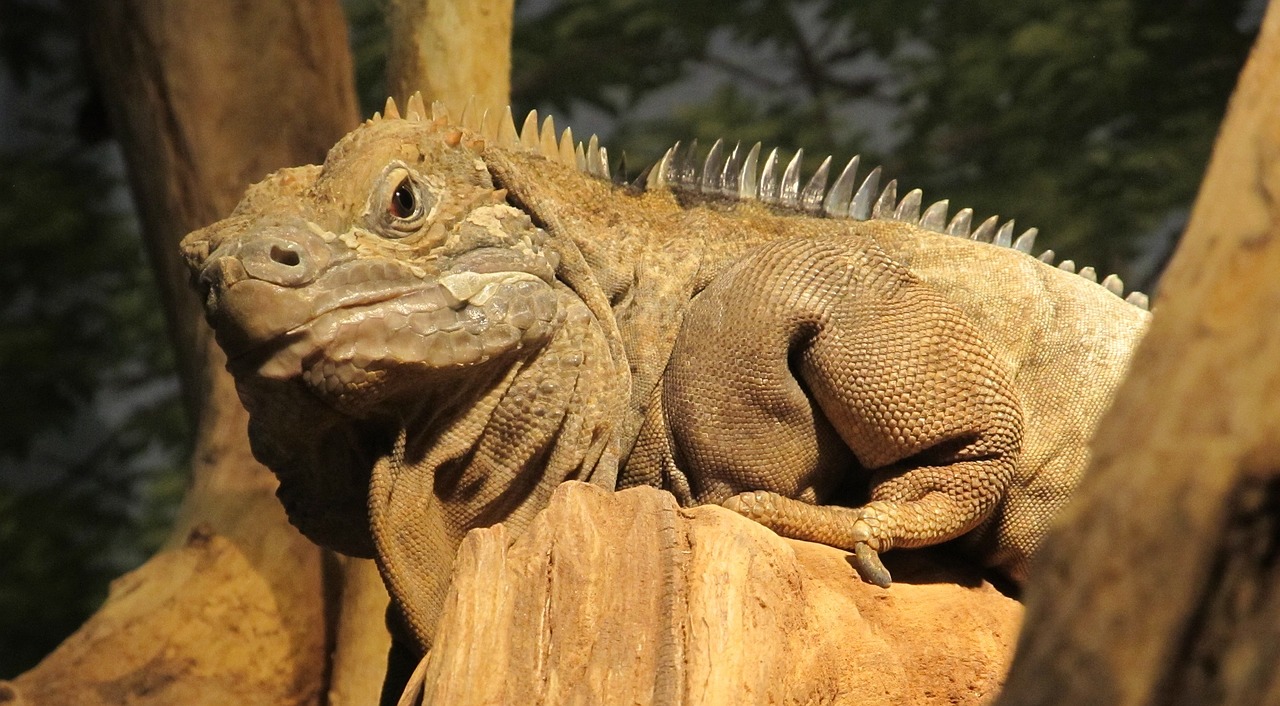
[416,110]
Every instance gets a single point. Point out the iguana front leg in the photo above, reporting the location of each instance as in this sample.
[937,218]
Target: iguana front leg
[804,337]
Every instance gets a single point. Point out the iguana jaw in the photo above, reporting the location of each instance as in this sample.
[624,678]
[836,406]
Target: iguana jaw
[360,329]
[356,356]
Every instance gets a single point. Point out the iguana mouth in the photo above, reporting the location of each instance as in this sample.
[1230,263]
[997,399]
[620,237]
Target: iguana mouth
[251,327]
[251,331]
[257,354]
[460,320]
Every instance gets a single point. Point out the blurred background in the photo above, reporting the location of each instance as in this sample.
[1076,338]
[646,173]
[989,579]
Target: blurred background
[1090,119]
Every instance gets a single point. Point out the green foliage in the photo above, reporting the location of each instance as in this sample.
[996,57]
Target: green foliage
[61,266]
[368,32]
[24,29]
[1091,119]
[777,77]
[605,53]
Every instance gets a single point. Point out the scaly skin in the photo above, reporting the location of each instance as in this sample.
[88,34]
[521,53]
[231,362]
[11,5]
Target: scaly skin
[440,325]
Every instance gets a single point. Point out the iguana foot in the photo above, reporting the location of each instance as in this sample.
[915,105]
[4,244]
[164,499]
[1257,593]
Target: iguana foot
[847,528]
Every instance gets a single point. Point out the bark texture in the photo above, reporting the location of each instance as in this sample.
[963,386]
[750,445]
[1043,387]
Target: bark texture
[1162,583]
[623,598]
[207,98]
[451,51]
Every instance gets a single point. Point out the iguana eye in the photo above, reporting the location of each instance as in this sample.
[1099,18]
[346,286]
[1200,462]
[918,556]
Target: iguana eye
[404,203]
[401,204]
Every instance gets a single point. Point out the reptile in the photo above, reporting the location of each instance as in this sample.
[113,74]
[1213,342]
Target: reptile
[448,319]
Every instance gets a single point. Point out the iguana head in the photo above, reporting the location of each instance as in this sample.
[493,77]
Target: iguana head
[394,263]
[344,294]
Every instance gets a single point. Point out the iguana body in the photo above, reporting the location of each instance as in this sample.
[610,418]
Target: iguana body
[440,325]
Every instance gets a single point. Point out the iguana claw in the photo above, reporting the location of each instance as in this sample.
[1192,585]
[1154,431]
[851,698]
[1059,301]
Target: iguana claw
[867,561]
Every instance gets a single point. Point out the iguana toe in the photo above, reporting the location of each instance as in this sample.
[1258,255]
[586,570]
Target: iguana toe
[837,526]
[867,561]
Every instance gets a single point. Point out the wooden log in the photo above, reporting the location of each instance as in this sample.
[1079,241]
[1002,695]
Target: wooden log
[624,598]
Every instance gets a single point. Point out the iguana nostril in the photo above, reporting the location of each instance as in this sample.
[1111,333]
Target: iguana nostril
[285,256]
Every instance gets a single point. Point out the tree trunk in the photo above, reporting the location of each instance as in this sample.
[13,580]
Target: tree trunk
[207,98]
[1162,583]
[451,51]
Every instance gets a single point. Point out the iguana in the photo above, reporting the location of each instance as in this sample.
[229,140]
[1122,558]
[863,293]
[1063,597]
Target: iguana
[443,322]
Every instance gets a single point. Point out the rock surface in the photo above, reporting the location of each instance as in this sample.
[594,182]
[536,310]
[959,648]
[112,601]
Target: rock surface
[625,598]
